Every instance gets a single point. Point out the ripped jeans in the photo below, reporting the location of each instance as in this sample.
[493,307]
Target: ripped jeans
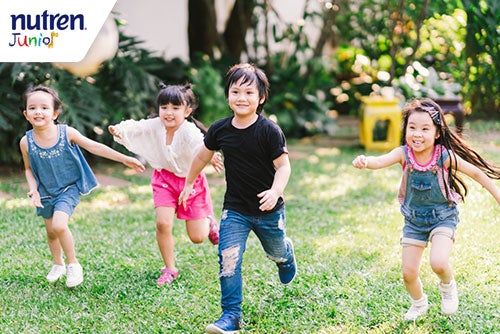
[233,234]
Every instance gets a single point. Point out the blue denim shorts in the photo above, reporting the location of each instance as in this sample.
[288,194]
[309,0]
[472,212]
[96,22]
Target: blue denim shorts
[65,202]
[422,224]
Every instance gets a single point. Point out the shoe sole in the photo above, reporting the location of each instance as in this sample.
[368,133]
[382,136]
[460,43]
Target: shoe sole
[290,242]
[54,280]
[212,329]
[73,284]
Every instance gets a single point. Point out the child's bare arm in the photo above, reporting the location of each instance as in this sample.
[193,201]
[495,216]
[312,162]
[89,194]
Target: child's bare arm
[200,160]
[30,177]
[381,161]
[477,175]
[269,198]
[104,151]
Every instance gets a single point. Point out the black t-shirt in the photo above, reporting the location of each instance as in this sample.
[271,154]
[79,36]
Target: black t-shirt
[248,161]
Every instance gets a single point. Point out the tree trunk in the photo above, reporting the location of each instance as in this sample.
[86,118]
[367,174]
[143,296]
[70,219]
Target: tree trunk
[202,28]
[237,25]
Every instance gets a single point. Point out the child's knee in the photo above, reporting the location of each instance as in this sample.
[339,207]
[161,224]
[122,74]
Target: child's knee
[164,225]
[230,257]
[440,266]
[410,273]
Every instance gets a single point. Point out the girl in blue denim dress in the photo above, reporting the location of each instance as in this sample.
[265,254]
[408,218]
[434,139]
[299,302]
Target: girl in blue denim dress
[429,193]
[58,174]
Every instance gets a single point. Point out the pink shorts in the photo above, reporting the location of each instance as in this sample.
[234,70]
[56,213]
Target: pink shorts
[167,188]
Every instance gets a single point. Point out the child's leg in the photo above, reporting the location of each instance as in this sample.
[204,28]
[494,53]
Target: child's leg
[54,244]
[164,237]
[197,229]
[442,243]
[63,233]
[411,258]
[440,255]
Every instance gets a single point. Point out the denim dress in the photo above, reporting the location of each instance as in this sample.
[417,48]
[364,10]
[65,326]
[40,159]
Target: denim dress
[59,167]
[427,201]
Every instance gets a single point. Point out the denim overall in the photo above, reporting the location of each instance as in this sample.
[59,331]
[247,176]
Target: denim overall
[59,168]
[423,199]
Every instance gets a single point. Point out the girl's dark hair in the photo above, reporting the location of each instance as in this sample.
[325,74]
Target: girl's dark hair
[55,96]
[451,142]
[250,74]
[180,95]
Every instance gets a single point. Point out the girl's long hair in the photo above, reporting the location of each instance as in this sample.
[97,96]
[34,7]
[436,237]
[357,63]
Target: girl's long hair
[180,95]
[451,142]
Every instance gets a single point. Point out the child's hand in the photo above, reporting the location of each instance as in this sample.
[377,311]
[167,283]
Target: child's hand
[114,131]
[135,164]
[360,162]
[35,198]
[268,199]
[186,192]
[217,162]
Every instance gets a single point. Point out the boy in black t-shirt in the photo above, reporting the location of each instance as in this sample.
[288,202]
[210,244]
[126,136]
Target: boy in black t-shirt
[257,172]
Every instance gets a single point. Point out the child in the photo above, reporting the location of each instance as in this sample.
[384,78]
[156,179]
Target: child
[257,171]
[429,193]
[169,143]
[58,174]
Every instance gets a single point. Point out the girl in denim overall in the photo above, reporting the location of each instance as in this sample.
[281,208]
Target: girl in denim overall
[57,174]
[429,193]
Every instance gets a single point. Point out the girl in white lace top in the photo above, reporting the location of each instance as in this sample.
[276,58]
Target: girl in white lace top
[169,143]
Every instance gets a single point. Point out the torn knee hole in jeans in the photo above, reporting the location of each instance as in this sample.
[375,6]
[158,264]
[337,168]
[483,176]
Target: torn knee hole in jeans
[229,260]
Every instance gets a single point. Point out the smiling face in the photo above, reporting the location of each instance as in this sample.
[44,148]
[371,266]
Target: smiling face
[172,115]
[244,99]
[421,132]
[40,110]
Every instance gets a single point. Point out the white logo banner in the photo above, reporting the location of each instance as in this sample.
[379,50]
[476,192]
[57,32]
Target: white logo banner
[50,30]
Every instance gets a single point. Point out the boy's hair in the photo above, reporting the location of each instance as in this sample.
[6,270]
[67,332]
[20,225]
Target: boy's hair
[451,141]
[248,73]
[180,95]
[55,96]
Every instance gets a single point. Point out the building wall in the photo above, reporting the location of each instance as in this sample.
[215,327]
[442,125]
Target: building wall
[162,24]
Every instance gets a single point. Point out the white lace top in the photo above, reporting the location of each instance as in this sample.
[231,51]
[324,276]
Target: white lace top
[147,138]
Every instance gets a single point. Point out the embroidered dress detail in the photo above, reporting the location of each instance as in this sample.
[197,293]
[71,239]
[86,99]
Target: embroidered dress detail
[58,167]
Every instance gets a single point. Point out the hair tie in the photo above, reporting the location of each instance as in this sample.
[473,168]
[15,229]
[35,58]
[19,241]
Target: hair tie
[434,113]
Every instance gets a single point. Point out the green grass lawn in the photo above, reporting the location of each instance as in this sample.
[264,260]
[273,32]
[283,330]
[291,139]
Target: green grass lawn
[345,224]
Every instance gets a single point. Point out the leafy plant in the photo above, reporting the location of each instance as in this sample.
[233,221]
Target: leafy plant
[125,87]
[208,86]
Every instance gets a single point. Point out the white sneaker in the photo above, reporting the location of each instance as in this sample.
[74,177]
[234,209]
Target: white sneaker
[56,273]
[449,297]
[417,309]
[75,275]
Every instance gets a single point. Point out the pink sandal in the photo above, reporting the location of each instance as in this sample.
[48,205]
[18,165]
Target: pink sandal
[213,235]
[167,276]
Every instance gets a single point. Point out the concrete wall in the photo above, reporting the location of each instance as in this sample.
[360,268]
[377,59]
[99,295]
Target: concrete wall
[162,24]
